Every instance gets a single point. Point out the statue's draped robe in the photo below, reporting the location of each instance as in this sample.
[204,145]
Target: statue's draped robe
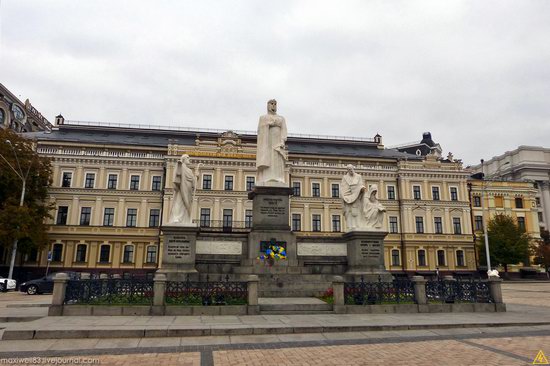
[182,201]
[373,210]
[271,154]
[353,201]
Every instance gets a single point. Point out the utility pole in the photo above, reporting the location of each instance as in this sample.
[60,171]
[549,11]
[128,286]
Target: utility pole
[485,235]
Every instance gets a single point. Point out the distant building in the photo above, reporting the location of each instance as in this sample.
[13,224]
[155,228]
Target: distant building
[19,116]
[425,147]
[524,164]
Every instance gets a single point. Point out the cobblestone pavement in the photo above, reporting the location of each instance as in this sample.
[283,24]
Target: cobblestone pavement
[534,294]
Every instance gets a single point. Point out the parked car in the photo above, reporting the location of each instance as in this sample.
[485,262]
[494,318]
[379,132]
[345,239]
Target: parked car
[7,284]
[42,285]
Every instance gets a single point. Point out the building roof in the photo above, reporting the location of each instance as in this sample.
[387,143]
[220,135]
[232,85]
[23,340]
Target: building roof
[144,138]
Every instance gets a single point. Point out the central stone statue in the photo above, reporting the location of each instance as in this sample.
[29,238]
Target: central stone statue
[184,183]
[271,154]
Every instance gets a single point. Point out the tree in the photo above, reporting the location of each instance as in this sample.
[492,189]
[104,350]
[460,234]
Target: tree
[508,244]
[23,223]
[542,250]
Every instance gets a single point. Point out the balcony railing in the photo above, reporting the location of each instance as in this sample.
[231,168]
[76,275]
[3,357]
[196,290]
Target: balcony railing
[224,226]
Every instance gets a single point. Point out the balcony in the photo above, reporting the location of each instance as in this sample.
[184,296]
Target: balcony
[224,226]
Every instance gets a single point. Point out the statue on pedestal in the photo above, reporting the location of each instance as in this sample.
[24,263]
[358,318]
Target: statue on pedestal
[271,154]
[362,210]
[184,183]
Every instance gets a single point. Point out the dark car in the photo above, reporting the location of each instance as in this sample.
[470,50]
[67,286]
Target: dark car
[42,285]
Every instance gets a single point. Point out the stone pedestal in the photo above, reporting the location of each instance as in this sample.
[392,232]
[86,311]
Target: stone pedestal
[366,255]
[178,251]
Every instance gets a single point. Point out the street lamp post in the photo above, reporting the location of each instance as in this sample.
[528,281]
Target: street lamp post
[485,235]
[23,178]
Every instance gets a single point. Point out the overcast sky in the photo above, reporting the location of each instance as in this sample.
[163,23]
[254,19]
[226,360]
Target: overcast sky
[474,73]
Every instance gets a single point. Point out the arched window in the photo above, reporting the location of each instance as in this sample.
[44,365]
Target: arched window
[128,255]
[81,253]
[441,257]
[57,252]
[105,253]
[422,257]
[151,255]
[395,257]
[460,262]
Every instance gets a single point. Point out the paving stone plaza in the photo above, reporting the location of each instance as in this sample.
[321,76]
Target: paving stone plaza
[511,338]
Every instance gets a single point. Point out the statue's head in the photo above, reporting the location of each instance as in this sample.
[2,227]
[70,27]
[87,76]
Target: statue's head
[373,190]
[185,159]
[272,106]
[350,169]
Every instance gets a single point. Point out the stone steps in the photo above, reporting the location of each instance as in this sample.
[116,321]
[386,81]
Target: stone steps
[293,305]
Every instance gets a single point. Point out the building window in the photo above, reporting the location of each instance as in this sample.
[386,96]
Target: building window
[478,223]
[131,217]
[521,223]
[250,182]
[395,257]
[207,181]
[316,189]
[537,201]
[421,258]
[108,217]
[156,185]
[316,222]
[112,181]
[441,257]
[438,225]
[57,253]
[248,219]
[460,258]
[456,225]
[66,181]
[85,215]
[335,190]
[499,201]
[336,226]
[519,202]
[296,222]
[435,193]
[228,184]
[227,217]
[416,193]
[205,217]
[296,189]
[477,201]
[419,224]
[134,182]
[391,192]
[62,213]
[393,225]
[89,181]
[154,217]
[541,218]
[151,255]
[105,253]
[81,253]
[454,194]
[128,256]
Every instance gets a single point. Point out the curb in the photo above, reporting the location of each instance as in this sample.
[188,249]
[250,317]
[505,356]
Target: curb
[199,331]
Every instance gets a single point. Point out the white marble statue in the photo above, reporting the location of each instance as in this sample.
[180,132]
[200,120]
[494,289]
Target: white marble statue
[271,154]
[373,209]
[184,183]
[352,189]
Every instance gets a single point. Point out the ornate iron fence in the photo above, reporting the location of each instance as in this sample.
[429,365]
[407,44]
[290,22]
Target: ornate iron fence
[109,292]
[451,291]
[206,293]
[400,291]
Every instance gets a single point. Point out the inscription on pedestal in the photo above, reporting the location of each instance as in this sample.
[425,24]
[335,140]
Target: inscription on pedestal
[270,211]
[178,247]
[272,207]
[370,249]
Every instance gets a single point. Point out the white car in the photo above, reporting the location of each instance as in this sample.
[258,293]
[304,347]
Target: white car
[12,284]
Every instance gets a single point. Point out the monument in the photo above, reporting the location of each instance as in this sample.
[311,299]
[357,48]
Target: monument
[180,233]
[270,196]
[364,215]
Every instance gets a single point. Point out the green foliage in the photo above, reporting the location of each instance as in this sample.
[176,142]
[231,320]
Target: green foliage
[542,250]
[24,223]
[508,244]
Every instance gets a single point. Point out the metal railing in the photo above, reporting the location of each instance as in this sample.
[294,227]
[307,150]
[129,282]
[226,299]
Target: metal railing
[456,291]
[206,293]
[109,292]
[370,293]
[225,226]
